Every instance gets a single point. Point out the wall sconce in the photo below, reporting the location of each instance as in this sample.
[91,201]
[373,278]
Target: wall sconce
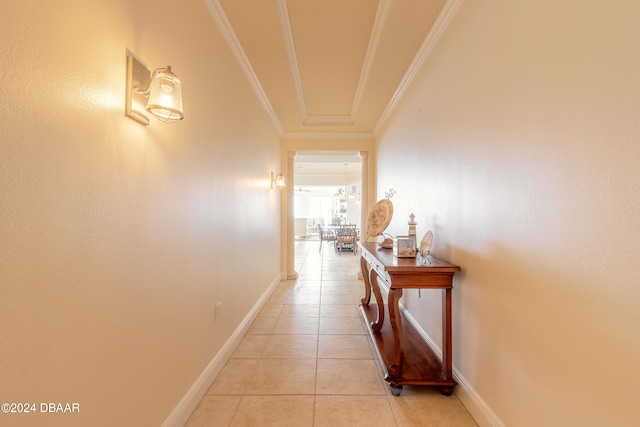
[277,181]
[162,96]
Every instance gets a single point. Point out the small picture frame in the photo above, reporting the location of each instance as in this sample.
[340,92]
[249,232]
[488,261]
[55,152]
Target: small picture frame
[404,247]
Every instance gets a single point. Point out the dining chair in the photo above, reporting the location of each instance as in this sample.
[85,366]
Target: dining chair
[326,235]
[347,238]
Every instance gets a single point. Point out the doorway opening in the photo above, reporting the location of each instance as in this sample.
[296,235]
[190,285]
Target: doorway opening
[327,191]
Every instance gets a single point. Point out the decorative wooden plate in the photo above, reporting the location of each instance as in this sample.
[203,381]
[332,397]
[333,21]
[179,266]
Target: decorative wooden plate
[379,217]
[425,244]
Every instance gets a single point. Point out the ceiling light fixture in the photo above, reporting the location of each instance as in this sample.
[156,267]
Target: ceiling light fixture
[159,93]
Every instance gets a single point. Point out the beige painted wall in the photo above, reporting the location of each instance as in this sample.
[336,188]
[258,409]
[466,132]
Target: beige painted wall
[117,240]
[521,132]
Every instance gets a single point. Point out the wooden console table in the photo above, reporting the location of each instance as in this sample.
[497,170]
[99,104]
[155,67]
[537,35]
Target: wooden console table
[405,355]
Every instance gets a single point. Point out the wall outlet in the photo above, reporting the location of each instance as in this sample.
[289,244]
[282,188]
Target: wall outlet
[218,309]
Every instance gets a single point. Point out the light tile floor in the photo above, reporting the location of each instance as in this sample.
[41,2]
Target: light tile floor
[307,361]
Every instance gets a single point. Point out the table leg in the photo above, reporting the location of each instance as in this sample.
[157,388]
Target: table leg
[377,325]
[395,367]
[446,334]
[367,283]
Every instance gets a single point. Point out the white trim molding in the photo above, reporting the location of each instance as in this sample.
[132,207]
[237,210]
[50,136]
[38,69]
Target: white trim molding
[374,38]
[327,135]
[222,21]
[442,22]
[476,406]
[183,410]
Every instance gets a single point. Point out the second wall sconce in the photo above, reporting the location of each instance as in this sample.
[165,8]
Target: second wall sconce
[159,93]
[277,181]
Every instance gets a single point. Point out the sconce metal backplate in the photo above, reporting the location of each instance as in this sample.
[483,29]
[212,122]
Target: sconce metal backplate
[138,80]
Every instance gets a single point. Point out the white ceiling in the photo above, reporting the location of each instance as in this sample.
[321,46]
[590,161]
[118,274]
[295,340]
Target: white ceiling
[326,168]
[329,66]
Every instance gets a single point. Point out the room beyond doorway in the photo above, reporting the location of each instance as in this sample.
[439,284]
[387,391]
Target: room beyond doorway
[327,191]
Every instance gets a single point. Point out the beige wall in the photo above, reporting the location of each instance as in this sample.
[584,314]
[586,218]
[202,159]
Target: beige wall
[521,134]
[117,240]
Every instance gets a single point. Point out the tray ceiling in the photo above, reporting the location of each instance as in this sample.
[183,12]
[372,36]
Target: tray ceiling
[330,66]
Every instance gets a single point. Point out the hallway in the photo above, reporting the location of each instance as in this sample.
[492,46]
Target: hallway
[307,361]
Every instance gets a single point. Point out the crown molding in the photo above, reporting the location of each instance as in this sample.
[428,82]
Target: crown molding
[222,21]
[328,120]
[374,41]
[327,135]
[440,25]
[287,35]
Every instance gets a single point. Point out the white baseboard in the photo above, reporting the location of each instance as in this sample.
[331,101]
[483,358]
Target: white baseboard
[477,407]
[186,406]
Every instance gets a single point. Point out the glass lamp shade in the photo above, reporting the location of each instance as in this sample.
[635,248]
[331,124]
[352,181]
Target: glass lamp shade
[165,96]
[280,181]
